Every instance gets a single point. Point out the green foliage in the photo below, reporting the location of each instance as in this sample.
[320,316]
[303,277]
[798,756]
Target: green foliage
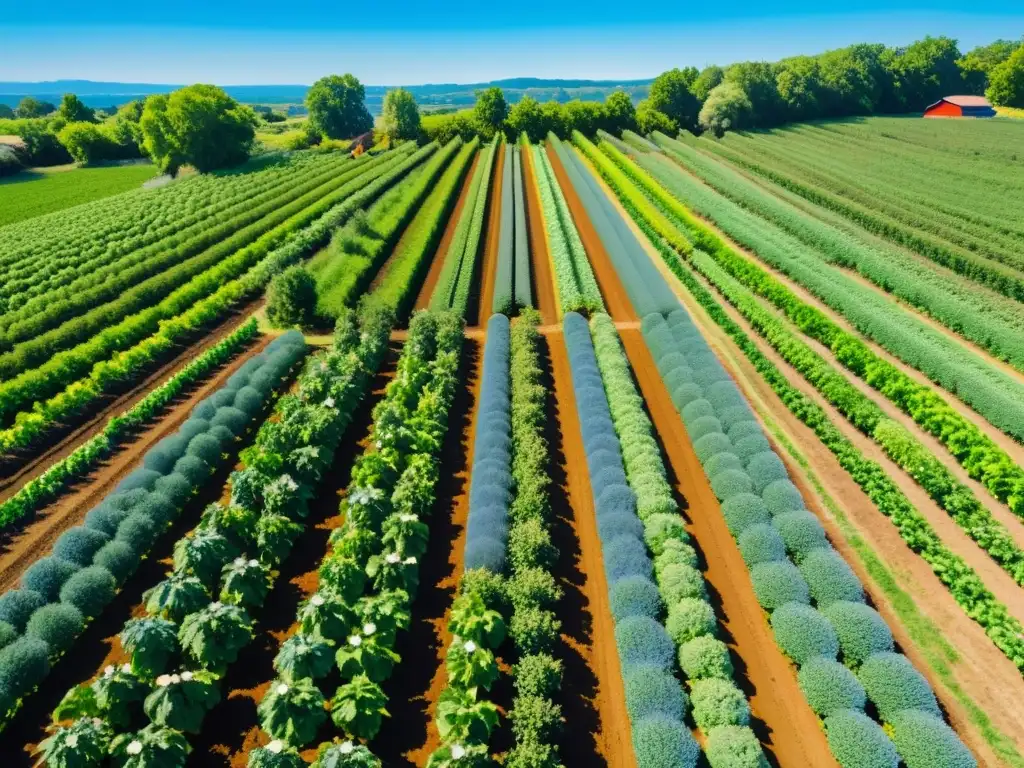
[58,625]
[634,596]
[152,643]
[778,583]
[923,740]
[690,618]
[704,657]
[857,741]
[400,116]
[718,702]
[659,741]
[87,142]
[653,691]
[213,636]
[292,711]
[743,511]
[830,687]
[892,684]
[1006,81]
[830,578]
[291,298]
[89,590]
[152,747]
[535,719]
[358,708]
[761,543]
[642,640]
[726,108]
[337,107]
[83,744]
[862,632]
[47,575]
[537,674]
[802,633]
[78,545]
[176,596]
[670,94]
[345,754]
[801,532]
[461,717]
[734,746]
[181,701]
[489,112]
[23,665]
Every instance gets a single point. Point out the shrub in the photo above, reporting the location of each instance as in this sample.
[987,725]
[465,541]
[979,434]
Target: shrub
[678,581]
[127,499]
[778,583]
[23,665]
[709,445]
[138,532]
[731,483]
[485,552]
[659,741]
[615,524]
[718,702]
[8,634]
[57,625]
[857,741]
[641,640]
[529,545]
[743,511]
[802,633]
[634,596]
[659,528]
[615,498]
[924,741]
[537,674]
[248,400]
[534,630]
[893,684]
[47,575]
[830,578]
[175,487]
[105,519]
[782,496]
[653,691]
[489,586]
[139,478]
[705,657]
[232,418]
[206,408]
[734,746]
[160,459]
[862,632]
[626,556]
[675,552]
[723,395]
[706,425]
[677,377]
[721,462]
[690,618]
[830,687]
[761,544]
[119,558]
[78,545]
[764,469]
[533,586]
[206,448]
[744,428]
[222,398]
[801,532]
[685,394]
[89,590]
[192,469]
[157,508]
[17,605]
[535,718]
[291,298]
[751,445]
[699,409]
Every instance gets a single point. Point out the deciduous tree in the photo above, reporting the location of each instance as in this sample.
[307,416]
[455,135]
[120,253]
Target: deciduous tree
[72,110]
[401,116]
[706,80]
[727,108]
[649,120]
[490,111]
[1007,81]
[337,107]
[30,107]
[620,112]
[527,115]
[671,95]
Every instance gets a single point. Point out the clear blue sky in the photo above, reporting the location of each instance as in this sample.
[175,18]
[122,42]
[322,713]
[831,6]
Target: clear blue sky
[403,42]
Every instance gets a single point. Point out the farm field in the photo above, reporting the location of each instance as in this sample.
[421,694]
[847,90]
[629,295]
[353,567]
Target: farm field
[625,451]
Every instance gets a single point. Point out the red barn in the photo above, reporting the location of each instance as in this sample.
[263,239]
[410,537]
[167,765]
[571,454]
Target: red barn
[961,106]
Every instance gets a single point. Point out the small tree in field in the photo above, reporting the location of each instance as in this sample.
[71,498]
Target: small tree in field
[527,116]
[401,116]
[1006,82]
[490,111]
[726,109]
[649,120]
[620,111]
[291,298]
[337,107]
[72,110]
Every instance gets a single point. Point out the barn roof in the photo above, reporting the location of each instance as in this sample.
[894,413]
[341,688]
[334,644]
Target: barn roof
[967,101]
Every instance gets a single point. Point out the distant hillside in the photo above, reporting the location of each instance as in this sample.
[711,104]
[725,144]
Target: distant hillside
[99,94]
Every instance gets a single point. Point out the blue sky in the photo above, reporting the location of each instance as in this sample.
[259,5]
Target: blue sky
[262,42]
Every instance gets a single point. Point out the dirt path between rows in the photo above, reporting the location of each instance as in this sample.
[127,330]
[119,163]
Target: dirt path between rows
[409,736]
[23,544]
[482,298]
[540,260]
[595,688]
[441,254]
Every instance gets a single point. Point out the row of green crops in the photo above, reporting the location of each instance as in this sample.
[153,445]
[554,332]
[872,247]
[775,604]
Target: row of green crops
[409,261]
[460,262]
[47,486]
[720,708]
[62,592]
[976,452]
[504,297]
[369,578]
[521,273]
[359,250]
[574,279]
[989,321]
[309,231]
[654,697]
[200,617]
[793,566]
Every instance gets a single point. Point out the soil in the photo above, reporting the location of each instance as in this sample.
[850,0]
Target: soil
[543,281]
[22,544]
[480,303]
[409,736]
[592,686]
[437,263]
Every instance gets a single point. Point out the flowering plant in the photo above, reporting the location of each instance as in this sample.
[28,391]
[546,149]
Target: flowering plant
[152,747]
[363,654]
[181,701]
[292,711]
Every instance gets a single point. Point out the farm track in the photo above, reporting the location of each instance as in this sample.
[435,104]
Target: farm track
[437,262]
[980,670]
[540,260]
[484,295]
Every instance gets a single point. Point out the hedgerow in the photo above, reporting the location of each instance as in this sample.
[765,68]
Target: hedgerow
[690,618]
[47,575]
[705,657]
[803,634]
[861,631]
[718,702]
[830,687]
[857,741]
[893,684]
[830,578]
[734,746]
[659,741]
[634,596]
[924,741]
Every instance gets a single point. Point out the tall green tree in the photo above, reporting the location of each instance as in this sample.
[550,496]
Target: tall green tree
[72,110]
[6,113]
[727,108]
[86,142]
[30,107]
[527,115]
[757,80]
[620,112]
[798,81]
[978,63]
[1006,82]
[337,107]
[925,71]
[670,94]
[584,116]
[401,116]
[649,120]
[708,78]
[490,111]
[199,125]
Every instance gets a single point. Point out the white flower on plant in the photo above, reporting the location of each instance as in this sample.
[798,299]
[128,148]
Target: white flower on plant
[163,681]
[216,605]
[329,402]
[275,746]
[186,676]
[108,670]
[410,560]
[126,668]
[135,748]
[355,641]
[469,646]
[253,563]
[458,751]
[287,481]
[369,628]
[175,679]
[71,741]
[282,689]
[317,600]
[393,557]
[347,747]
[407,518]
[364,495]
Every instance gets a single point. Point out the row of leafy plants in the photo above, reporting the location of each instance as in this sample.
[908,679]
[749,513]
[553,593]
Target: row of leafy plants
[719,707]
[51,483]
[504,270]
[103,340]
[63,591]
[574,279]
[199,618]
[815,601]
[521,273]
[348,628]
[460,261]
[108,375]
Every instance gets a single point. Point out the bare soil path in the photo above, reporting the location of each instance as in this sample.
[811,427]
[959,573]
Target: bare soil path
[540,261]
[483,297]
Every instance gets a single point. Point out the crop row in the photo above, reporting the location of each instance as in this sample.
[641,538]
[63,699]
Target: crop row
[61,592]
[308,231]
[52,281]
[720,708]
[62,324]
[460,261]
[792,566]
[504,270]
[360,249]
[988,321]
[976,452]
[992,393]
[50,484]
[369,578]
[411,257]
[523,294]
[574,279]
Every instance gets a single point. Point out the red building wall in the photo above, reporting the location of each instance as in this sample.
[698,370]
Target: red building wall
[943,109]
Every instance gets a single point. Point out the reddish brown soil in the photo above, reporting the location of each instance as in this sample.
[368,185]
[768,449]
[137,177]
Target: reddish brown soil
[24,544]
[409,735]
[543,283]
[485,295]
[589,631]
[437,263]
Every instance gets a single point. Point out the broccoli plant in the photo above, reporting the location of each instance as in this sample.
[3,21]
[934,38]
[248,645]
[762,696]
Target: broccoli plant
[181,701]
[358,708]
[363,654]
[213,636]
[302,656]
[152,643]
[245,582]
[292,711]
